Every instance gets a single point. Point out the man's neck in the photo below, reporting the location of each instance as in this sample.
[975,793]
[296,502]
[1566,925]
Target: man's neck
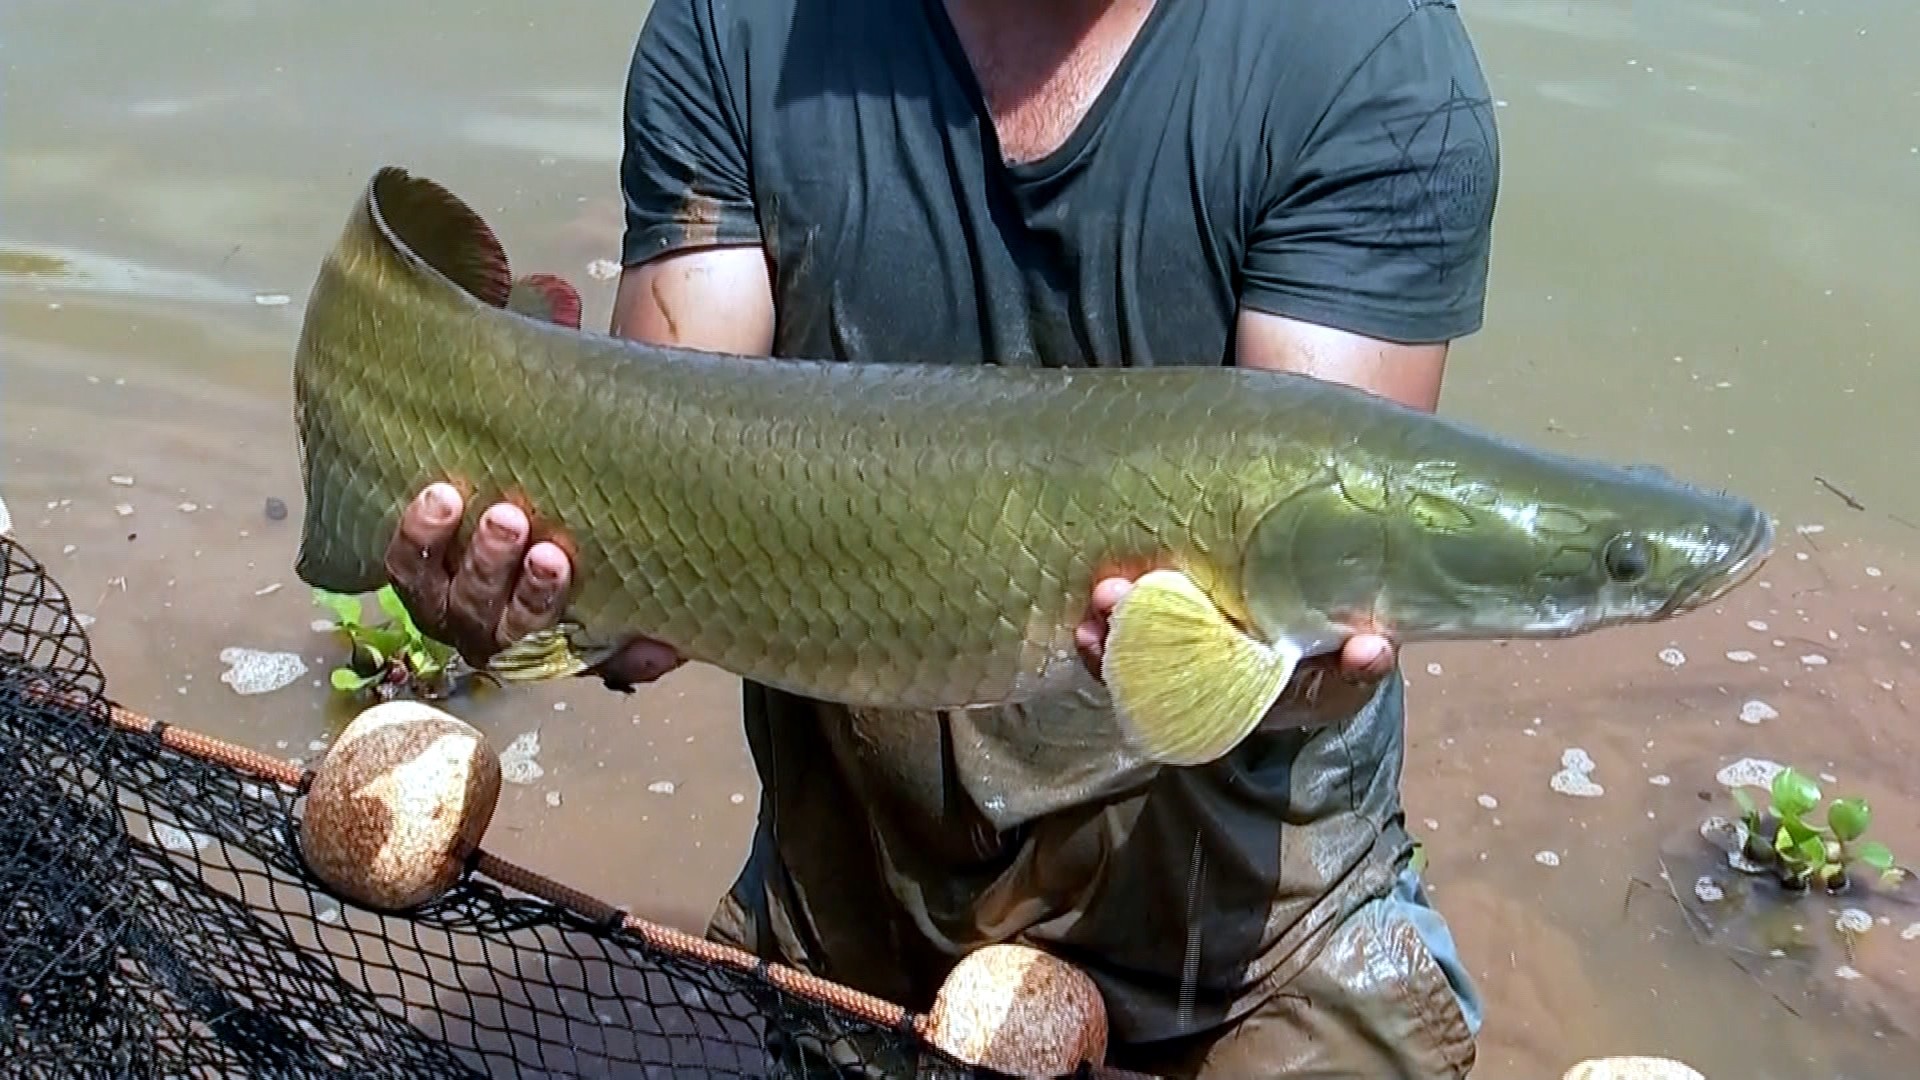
[1042,63]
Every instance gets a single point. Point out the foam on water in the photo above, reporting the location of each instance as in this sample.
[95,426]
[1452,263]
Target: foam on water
[253,671]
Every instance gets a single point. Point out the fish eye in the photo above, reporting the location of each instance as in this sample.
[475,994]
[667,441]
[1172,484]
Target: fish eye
[1625,558]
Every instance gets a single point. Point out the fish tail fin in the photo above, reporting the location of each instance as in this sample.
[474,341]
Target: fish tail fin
[408,238]
[547,297]
[434,226]
[424,220]
[1187,683]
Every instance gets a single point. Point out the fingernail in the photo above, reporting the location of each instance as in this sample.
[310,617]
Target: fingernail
[438,505]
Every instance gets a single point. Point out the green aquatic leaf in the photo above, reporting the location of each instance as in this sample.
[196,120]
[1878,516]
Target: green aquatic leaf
[396,610]
[1748,811]
[346,609]
[1849,818]
[1797,831]
[1875,854]
[390,640]
[349,680]
[1794,793]
[367,654]
[422,661]
[1799,853]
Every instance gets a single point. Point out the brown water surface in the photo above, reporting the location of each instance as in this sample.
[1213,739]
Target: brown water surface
[1705,258]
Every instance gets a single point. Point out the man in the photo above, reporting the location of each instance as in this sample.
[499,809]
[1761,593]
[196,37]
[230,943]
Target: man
[1301,185]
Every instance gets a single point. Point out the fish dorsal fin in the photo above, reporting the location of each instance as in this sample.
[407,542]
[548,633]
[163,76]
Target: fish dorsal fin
[430,223]
[548,297]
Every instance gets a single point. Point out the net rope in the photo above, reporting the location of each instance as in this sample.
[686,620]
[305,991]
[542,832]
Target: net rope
[156,920]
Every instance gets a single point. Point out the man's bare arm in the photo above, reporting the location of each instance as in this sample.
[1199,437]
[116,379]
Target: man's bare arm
[1409,374]
[718,299]
[498,589]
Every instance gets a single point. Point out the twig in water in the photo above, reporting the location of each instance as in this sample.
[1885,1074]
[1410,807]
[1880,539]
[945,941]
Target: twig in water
[1701,932]
[1777,999]
[1852,503]
[1627,900]
[1697,928]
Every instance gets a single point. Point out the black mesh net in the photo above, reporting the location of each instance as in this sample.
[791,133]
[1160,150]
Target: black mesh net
[155,920]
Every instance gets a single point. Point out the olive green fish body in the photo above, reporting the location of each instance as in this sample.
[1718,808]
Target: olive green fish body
[881,535]
[922,536]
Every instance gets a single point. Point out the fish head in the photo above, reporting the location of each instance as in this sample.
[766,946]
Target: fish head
[1506,543]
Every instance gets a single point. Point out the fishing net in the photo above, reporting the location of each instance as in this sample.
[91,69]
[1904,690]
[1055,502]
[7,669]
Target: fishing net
[156,920]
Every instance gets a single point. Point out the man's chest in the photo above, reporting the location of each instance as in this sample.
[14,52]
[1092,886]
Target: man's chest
[896,232]
[1040,69]
[929,193]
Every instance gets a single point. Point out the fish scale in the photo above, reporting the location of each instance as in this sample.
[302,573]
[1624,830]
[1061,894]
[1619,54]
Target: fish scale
[928,536]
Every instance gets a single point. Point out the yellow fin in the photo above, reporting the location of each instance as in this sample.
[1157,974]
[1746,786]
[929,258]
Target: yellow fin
[541,655]
[1188,685]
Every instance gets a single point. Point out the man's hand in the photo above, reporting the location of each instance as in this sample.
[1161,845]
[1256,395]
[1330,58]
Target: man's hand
[1362,662]
[498,590]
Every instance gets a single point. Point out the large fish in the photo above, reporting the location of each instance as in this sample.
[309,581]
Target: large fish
[928,537]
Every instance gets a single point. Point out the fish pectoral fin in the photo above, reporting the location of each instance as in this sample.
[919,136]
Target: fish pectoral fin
[540,656]
[1188,684]
[547,297]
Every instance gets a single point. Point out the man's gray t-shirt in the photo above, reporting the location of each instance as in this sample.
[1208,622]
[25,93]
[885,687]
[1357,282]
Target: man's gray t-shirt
[1335,162]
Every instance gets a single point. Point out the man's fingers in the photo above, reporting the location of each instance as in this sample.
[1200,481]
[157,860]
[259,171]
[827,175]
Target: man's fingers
[485,580]
[1367,656]
[1091,637]
[642,660]
[544,576]
[416,560]
[1107,594]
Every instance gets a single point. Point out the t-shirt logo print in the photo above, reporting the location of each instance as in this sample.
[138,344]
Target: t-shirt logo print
[1444,186]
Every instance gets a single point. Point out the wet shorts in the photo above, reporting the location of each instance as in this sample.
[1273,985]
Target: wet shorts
[1386,999]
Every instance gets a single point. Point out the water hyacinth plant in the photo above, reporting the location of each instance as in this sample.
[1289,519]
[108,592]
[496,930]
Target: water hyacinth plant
[1784,838]
[391,659]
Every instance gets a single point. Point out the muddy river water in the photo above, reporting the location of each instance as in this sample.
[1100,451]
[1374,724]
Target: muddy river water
[1706,257]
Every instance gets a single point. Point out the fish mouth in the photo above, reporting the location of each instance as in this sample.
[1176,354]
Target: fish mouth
[1751,553]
